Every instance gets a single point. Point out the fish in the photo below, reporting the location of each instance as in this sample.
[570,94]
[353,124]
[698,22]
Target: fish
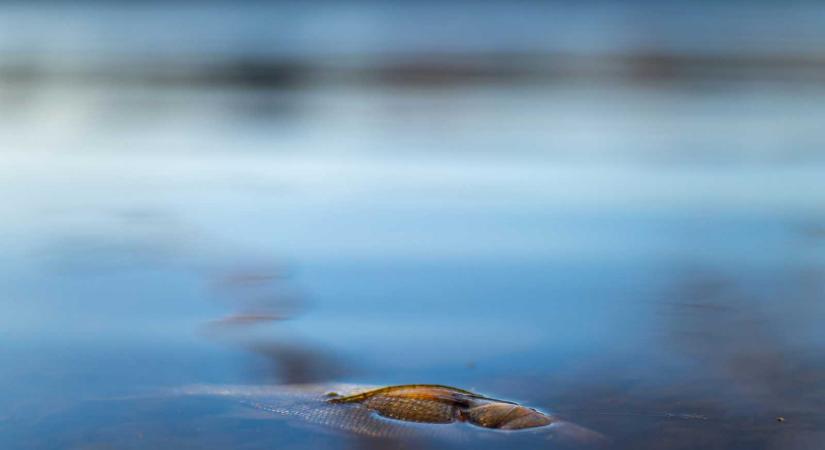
[433,403]
[396,411]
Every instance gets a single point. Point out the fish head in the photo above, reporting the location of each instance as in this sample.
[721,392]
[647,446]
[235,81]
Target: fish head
[505,416]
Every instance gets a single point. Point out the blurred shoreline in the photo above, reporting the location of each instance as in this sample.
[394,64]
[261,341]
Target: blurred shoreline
[423,70]
[291,44]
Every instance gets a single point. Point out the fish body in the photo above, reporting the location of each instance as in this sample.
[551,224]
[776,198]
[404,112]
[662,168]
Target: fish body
[390,411]
[430,403]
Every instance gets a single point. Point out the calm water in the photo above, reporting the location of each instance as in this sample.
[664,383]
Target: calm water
[645,259]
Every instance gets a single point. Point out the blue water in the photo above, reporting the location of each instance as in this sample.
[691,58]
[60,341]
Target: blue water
[629,254]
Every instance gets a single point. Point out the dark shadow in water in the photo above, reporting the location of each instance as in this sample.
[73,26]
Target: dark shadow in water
[743,383]
[258,298]
[296,363]
[744,378]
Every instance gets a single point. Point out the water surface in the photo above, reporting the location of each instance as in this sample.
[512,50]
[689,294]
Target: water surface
[644,258]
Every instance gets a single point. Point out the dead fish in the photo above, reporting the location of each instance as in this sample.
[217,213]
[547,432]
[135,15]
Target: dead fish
[394,411]
[432,403]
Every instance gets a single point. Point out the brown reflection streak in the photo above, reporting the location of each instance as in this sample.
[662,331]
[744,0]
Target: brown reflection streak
[257,295]
[260,295]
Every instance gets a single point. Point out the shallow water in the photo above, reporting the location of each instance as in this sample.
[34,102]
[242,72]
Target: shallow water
[643,259]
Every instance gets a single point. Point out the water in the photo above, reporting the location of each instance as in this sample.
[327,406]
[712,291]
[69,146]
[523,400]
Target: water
[641,256]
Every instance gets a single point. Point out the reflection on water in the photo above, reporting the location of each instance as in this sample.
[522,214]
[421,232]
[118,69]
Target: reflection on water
[619,224]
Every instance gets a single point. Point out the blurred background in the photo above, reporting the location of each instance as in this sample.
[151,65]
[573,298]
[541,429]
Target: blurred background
[611,210]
